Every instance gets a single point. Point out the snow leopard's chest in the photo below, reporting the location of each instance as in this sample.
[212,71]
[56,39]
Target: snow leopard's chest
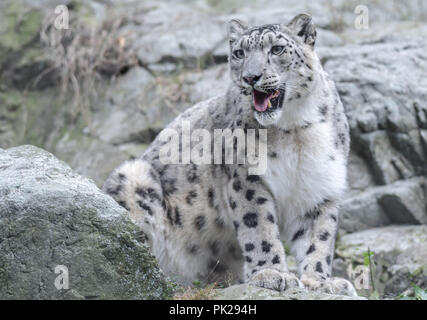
[305,170]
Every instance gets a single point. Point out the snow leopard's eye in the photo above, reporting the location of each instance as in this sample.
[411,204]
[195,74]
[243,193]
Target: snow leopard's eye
[239,54]
[277,50]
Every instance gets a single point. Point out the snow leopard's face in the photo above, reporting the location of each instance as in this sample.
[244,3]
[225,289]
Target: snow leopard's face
[272,64]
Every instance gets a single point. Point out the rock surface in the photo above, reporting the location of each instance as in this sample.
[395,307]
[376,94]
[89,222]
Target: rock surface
[399,257]
[247,292]
[51,216]
[387,115]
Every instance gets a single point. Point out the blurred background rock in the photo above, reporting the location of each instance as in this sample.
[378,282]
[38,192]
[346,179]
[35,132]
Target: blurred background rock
[98,93]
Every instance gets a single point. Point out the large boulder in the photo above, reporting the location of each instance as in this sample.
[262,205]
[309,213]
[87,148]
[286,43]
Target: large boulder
[382,89]
[401,202]
[398,258]
[52,217]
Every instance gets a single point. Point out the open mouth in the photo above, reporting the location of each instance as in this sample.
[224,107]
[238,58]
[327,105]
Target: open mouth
[267,101]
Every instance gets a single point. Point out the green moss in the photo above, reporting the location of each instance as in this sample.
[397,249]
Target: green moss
[22,25]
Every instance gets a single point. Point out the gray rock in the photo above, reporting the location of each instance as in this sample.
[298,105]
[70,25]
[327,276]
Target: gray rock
[178,33]
[399,256]
[51,216]
[402,202]
[247,292]
[384,112]
[387,120]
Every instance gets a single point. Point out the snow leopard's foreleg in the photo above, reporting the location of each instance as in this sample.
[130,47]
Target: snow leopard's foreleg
[255,221]
[312,243]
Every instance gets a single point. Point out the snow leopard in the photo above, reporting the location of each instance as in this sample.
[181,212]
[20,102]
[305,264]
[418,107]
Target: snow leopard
[220,222]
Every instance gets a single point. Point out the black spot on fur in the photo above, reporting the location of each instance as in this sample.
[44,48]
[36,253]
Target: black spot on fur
[191,195]
[261,262]
[298,234]
[266,246]
[236,185]
[169,186]
[311,249]
[272,154]
[276,260]
[249,246]
[145,207]
[164,205]
[319,267]
[153,195]
[323,109]
[236,225]
[114,191]
[232,203]
[141,192]
[313,214]
[261,200]
[250,219]
[121,176]
[169,215]
[328,259]
[270,218]
[306,125]
[123,204]
[333,217]
[219,222]
[192,175]
[248,259]
[177,217]
[153,175]
[253,178]
[211,196]
[199,222]
[250,194]
[341,137]
[193,249]
[324,236]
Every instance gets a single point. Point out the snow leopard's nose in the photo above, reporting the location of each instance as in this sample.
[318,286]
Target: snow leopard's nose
[252,79]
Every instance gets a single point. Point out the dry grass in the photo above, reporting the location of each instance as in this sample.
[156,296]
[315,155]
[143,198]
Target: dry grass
[84,55]
[206,293]
[171,90]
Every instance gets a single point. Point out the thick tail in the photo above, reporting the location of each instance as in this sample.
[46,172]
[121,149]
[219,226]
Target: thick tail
[135,185]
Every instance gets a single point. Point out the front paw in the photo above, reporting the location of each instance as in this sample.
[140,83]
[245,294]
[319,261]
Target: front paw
[329,285]
[275,280]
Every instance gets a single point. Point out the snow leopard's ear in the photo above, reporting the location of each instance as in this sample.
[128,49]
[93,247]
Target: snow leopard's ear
[236,28]
[302,26]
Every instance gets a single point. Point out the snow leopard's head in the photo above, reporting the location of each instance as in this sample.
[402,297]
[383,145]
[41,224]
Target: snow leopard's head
[272,63]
